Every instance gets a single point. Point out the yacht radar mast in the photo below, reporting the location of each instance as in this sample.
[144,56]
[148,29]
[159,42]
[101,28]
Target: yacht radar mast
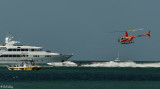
[9,42]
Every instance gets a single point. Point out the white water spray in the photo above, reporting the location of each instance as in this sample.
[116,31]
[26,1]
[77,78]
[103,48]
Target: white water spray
[66,63]
[123,64]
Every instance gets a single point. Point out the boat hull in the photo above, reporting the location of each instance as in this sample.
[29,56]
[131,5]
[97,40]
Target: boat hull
[25,68]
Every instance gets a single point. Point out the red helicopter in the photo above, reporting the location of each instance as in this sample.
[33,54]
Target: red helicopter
[128,39]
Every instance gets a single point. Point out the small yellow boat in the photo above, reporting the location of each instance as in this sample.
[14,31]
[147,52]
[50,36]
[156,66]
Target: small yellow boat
[25,68]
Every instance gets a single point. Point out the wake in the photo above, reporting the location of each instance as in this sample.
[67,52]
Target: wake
[105,64]
[122,64]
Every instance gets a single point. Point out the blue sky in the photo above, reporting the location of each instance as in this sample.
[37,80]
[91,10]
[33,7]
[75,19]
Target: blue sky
[81,27]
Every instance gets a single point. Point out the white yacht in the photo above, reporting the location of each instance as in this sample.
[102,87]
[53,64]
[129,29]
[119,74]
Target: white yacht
[15,54]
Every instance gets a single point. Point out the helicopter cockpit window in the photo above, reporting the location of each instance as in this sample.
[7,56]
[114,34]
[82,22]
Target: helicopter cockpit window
[122,38]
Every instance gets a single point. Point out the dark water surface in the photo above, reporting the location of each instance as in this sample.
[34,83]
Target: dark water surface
[82,77]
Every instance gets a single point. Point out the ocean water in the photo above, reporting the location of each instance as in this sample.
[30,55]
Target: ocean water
[89,76]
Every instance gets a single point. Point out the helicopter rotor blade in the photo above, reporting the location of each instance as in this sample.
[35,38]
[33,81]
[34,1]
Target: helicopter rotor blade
[134,30]
[126,30]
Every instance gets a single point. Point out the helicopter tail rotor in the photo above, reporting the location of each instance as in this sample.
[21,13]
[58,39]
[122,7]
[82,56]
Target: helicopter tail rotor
[149,34]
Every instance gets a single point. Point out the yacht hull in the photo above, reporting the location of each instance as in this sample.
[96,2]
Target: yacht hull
[39,61]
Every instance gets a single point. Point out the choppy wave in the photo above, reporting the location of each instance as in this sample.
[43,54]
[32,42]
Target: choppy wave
[122,64]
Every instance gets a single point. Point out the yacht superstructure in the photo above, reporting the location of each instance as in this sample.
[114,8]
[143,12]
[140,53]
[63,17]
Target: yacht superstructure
[15,54]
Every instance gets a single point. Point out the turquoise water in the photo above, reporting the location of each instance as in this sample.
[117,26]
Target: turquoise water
[82,78]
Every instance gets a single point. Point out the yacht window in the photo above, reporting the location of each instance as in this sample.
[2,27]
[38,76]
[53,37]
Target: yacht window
[18,49]
[3,48]
[9,49]
[48,56]
[32,49]
[14,55]
[35,55]
[9,55]
[22,55]
[14,49]
[18,55]
[5,55]
[25,49]
[22,49]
